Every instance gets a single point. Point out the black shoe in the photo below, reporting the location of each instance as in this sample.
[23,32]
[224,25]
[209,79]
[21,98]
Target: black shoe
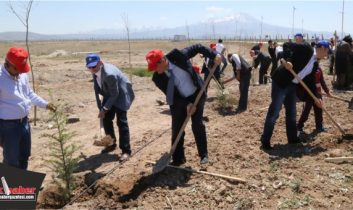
[109,148]
[239,110]
[319,130]
[296,141]
[204,160]
[266,146]
[178,162]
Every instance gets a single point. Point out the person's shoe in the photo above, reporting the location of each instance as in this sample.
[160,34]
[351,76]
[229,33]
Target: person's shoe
[239,110]
[124,157]
[204,160]
[178,162]
[319,130]
[266,147]
[109,148]
[296,141]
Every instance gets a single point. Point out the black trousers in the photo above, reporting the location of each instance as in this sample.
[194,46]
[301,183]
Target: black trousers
[121,121]
[305,115]
[178,111]
[244,90]
[274,65]
[263,70]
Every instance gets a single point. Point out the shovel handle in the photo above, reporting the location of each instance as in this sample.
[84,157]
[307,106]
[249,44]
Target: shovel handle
[338,98]
[101,128]
[198,97]
[314,97]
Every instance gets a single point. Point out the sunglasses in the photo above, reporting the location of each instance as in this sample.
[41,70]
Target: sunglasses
[92,67]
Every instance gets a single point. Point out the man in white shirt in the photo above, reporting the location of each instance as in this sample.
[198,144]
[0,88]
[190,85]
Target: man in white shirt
[221,50]
[16,98]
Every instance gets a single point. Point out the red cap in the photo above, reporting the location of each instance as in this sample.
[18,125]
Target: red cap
[153,57]
[18,57]
[213,46]
[196,68]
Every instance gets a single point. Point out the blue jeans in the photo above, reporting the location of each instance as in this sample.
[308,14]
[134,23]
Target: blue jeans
[279,96]
[15,137]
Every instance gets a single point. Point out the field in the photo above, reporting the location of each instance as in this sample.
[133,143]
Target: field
[292,176]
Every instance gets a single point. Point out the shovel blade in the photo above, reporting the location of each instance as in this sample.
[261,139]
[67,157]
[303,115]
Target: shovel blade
[350,106]
[162,163]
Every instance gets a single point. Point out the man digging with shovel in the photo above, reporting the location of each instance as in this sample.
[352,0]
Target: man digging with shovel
[118,96]
[175,77]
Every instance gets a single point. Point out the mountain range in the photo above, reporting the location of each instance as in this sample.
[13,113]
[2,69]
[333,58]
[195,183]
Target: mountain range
[239,26]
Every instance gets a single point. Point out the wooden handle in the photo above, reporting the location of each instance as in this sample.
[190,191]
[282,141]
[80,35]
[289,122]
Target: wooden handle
[339,159]
[101,128]
[198,97]
[314,97]
[205,172]
[338,98]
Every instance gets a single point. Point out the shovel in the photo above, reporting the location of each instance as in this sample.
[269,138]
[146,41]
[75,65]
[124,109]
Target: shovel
[344,135]
[103,141]
[350,103]
[163,162]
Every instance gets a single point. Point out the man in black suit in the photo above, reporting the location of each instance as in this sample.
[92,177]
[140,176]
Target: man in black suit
[175,77]
[264,61]
[242,72]
[300,58]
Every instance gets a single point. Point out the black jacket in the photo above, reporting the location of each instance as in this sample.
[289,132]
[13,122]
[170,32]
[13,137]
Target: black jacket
[181,58]
[245,67]
[299,55]
[262,59]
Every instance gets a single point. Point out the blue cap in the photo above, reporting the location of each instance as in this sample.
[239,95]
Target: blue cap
[323,43]
[299,34]
[92,60]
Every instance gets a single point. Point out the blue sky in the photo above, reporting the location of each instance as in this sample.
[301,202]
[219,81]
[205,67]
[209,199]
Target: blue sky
[59,17]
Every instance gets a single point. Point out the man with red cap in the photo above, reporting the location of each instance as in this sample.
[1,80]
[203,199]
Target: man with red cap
[174,76]
[16,98]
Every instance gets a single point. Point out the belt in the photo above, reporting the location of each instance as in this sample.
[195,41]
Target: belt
[16,120]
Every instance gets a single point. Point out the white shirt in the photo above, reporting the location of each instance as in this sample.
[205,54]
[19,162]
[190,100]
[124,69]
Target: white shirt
[99,77]
[278,49]
[236,59]
[219,47]
[182,81]
[16,96]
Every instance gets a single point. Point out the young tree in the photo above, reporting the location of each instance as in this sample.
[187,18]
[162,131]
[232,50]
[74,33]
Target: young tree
[24,19]
[125,19]
[62,160]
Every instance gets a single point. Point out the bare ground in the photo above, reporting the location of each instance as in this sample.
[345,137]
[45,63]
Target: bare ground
[292,176]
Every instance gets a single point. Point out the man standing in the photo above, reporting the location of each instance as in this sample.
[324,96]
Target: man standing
[118,96]
[16,98]
[221,50]
[272,51]
[242,72]
[174,76]
[298,38]
[300,58]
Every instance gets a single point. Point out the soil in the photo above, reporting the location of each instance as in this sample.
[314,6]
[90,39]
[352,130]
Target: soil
[290,176]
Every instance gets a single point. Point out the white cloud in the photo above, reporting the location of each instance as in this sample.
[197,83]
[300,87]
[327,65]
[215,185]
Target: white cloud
[219,14]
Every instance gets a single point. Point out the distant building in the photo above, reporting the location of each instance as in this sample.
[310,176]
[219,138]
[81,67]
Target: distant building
[179,38]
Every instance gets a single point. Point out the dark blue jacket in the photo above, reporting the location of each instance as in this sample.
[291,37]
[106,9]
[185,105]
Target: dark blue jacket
[181,58]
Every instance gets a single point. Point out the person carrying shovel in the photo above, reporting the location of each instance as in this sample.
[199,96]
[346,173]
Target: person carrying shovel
[242,72]
[118,96]
[301,59]
[175,77]
[316,82]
